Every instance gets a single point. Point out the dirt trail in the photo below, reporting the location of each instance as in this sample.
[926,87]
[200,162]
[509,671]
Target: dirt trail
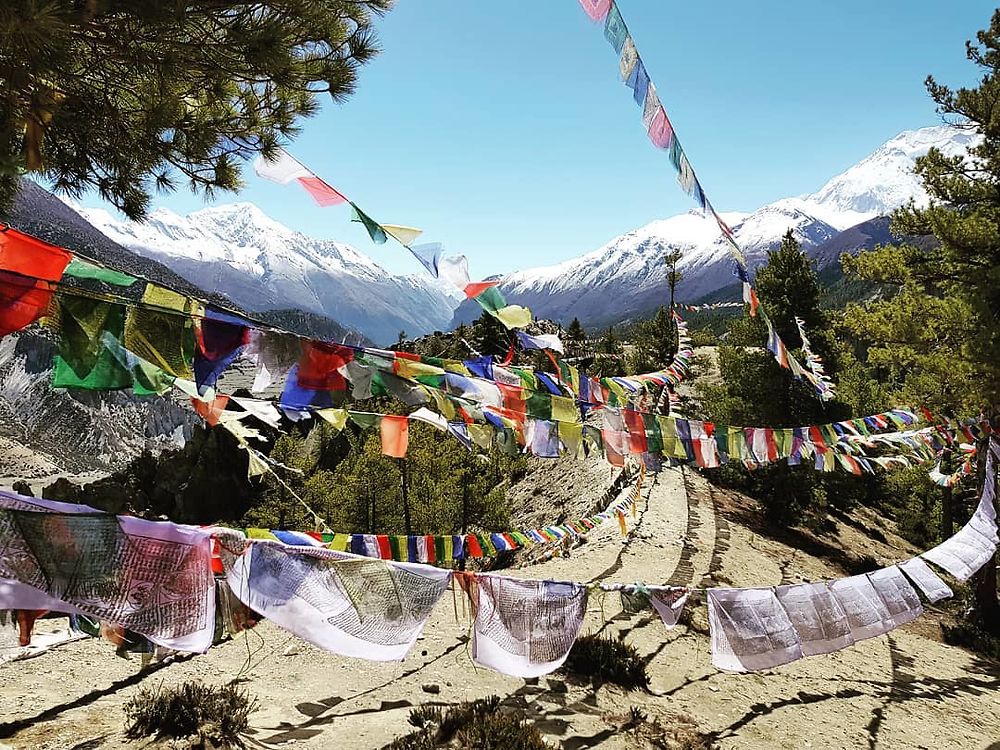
[904,690]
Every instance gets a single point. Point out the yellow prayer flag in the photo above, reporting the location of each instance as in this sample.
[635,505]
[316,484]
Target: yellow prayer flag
[335,417]
[481,434]
[403,235]
[407,368]
[621,523]
[564,410]
[514,316]
[572,436]
[167,299]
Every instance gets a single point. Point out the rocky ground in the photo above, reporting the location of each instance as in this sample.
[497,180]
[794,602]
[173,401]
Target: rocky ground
[902,690]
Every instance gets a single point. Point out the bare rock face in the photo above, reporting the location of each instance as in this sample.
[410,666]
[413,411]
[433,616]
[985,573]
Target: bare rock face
[52,431]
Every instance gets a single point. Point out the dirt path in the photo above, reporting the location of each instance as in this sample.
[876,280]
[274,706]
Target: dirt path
[904,690]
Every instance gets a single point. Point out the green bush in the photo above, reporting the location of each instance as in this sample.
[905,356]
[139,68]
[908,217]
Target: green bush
[605,659]
[218,714]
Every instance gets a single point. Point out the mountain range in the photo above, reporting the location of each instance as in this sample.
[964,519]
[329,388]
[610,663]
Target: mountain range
[240,253]
[626,277]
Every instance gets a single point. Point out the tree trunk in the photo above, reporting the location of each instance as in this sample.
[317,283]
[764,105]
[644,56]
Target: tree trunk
[947,516]
[404,488]
[465,515]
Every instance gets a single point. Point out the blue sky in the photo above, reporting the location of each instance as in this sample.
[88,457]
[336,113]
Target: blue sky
[502,130]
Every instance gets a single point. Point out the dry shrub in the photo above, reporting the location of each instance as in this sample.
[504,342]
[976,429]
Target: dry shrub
[216,714]
[604,659]
[479,725]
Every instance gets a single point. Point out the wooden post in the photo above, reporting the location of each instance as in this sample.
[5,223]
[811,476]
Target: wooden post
[404,489]
[465,513]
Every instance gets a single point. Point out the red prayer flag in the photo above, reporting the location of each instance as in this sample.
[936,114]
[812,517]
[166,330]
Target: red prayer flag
[319,365]
[431,549]
[472,548]
[661,132]
[475,288]
[210,411]
[22,301]
[636,432]
[384,548]
[395,431]
[323,194]
[32,257]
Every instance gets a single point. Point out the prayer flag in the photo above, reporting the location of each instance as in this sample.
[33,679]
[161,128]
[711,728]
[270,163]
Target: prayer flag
[403,235]
[429,255]
[541,341]
[614,28]
[81,269]
[596,9]
[29,256]
[319,366]
[661,132]
[395,432]
[284,168]
[323,194]
[375,231]
[514,316]
[23,300]
[638,81]
[628,59]
[83,360]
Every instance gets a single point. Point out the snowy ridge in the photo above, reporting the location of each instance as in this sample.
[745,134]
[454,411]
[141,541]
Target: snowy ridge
[626,276]
[260,264]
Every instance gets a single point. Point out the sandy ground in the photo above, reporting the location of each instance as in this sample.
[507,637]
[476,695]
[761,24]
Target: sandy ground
[903,690]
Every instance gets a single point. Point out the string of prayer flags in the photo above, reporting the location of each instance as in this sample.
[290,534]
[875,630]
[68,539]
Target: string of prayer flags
[283,169]
[663,135]
[814,362]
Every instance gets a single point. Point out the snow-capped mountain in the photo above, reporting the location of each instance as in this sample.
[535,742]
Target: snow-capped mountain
[626,277]
[260,264]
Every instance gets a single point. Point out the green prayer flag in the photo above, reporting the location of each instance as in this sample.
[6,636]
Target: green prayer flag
[83,360]
[81,269]
[538,404]
[491,300]
[375,230]
[365,420]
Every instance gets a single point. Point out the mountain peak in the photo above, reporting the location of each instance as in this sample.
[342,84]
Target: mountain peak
[884,180]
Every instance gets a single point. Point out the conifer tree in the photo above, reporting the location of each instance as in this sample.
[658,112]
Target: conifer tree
[755,390]
[575,337]
[121,96]
[938,340]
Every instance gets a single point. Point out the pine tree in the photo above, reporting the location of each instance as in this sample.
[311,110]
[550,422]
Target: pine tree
[490,336]
[121,97]
[790,287]
[938,339]
[755,390]
[575,337]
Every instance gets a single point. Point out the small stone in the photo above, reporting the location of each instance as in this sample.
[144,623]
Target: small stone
[430,687]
